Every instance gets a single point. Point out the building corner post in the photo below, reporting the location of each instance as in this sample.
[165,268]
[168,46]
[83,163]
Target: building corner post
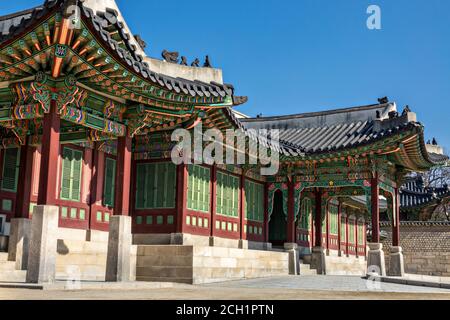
[396,259]
[375,260]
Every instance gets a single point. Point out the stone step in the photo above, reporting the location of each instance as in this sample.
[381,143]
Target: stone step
[306,259]
[305,270]
[13,276]
[7,266]
[3,256]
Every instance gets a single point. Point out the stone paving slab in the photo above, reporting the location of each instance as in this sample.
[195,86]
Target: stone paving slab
[87,285]
[418,280]
[329,283]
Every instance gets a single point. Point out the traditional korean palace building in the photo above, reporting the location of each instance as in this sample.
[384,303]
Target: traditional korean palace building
[423,203]
[86,120]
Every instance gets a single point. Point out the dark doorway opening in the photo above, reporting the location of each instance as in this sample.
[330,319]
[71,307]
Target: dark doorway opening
[278,222]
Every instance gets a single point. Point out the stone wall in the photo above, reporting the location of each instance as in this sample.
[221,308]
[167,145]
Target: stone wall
[426,247]
[197,265]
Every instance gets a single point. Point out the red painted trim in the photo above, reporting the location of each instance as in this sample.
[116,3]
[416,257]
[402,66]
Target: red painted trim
[396,228]
[327,225]
[22,208]
[339,226]
[182,176]
[356,238]
[375,192]
[312,220]
[243,235]
[123,176]
[347,236]
[213,188]
[318,220]
[266,212]
[290,232]
[48,183]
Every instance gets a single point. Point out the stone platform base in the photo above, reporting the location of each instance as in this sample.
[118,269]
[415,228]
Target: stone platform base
[184,239]
[197,265]
[345,266]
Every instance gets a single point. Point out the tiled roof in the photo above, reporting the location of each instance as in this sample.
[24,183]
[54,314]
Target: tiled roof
[105,24]
[414,194]
[331,130]
[16,23]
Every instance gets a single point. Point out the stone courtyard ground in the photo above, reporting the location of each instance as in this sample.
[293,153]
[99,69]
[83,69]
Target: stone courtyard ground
[278,288]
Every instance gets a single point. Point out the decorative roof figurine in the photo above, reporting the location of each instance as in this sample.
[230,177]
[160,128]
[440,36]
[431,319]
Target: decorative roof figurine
[171,57]
[406,110]
[393,114]
[435,143]
[383,100]
[196,63]
[184,61]
[207,63]
[140,41]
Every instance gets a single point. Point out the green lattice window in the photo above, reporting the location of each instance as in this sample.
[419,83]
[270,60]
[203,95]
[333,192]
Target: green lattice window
[334,219]
[198,198]
[11,163]
[361,234]
[71,174]
[351,232]
[155,185]
[343,229]
[305,211]
[109,185]
[254,201]
[227,194]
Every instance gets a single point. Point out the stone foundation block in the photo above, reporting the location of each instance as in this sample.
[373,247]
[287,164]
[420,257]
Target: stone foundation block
[396,262]
[118,263]
[43,245]
[318,261]
[19,241]
[375,262]
[292,249]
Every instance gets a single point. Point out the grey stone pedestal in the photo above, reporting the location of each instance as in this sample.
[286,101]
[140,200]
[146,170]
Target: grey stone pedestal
[396,262]
[19,241]
[119,250]
[292,248]
[375,261]
[318,260]
[43,243]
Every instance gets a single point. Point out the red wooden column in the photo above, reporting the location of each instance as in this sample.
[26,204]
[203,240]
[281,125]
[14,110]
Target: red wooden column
[213,199]
[347,236]
[356,236]
[22,209]
[312,219]
[396,222]
[182,184]
[266,212]
[318,219]
[48,184]
[327,226]
[291,214]
[123,176]
[375,192]
[94,186]
[339,227]
[242,213]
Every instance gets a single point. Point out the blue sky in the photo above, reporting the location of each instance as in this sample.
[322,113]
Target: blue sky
[295,56]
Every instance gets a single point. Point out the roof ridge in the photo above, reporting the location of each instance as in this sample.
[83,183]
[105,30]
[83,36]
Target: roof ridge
[318,113]
[19,14]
